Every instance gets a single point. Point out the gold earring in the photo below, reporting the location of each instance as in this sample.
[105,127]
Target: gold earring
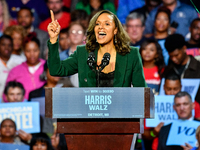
[115,39]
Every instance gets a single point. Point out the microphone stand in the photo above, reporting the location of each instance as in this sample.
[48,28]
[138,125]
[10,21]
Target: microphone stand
[93,65]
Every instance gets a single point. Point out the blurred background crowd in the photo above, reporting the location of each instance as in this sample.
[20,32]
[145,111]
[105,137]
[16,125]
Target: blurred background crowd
[167,33]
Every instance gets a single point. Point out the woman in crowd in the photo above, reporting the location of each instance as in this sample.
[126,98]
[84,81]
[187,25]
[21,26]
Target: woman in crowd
[162,29]
[8,132]
[76,37]
[104,35]
[40,141]
[153,65]
[18,33]
[28,73]
[91,5]
[153,61]
[76,34]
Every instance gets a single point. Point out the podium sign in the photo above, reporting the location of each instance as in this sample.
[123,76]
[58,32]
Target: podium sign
[99,118]
[98,103]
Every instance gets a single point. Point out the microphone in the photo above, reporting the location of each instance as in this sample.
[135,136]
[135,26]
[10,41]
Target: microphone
[91,60]
[105,61]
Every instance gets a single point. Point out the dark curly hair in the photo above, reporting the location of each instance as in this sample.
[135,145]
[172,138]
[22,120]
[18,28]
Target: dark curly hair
[165,10]
[123,40]
[159,61]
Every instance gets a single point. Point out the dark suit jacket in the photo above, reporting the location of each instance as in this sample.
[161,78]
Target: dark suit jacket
[162,139]
[128,68]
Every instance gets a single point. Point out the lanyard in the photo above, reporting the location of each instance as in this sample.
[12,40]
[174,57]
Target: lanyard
[186,66]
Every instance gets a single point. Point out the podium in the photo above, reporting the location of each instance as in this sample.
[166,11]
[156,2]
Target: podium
[99,118]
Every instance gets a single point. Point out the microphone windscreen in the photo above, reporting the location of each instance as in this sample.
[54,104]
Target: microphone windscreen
[106,56]
[91,54]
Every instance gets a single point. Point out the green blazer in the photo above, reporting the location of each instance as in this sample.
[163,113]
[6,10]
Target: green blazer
[128,68]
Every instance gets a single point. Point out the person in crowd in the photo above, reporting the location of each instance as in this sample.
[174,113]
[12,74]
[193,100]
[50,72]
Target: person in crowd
[181,17]
[91,5]
[5,19]
[38,8]
[25,18]
[76,34]
[135,28]
[81,17]
[105,34]
[193,45]
[62,17]
[186,66]
[183,106]
[7,60]
[14,92]
[148,7]
[162,29]
[64,42]
[40,141]
[28,73]
[18,34]
[172,83]
[153,62]
[8,132]
[76,37]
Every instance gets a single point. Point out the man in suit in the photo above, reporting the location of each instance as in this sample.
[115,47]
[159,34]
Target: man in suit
[183,106]
[25,18]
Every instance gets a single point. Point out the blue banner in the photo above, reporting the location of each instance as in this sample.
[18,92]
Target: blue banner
[25,115]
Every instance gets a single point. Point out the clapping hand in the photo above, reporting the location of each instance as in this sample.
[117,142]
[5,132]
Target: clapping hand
[53,29]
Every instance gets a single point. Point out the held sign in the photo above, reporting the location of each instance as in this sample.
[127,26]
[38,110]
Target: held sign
[25,115]
[184,131]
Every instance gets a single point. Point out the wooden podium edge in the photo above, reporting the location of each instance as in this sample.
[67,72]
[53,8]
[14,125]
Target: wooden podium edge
[48,103]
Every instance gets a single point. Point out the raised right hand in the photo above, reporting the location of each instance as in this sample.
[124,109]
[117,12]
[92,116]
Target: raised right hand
[53,29]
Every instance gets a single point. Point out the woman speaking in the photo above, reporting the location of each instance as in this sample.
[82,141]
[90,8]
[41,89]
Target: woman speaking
[112,62]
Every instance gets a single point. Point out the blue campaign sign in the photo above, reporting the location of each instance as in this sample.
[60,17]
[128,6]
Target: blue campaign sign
[189,85]
[25,115]
[164,111]
[6,146]
[183,131]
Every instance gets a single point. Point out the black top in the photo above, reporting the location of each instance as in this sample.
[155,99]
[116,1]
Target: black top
[106,79]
